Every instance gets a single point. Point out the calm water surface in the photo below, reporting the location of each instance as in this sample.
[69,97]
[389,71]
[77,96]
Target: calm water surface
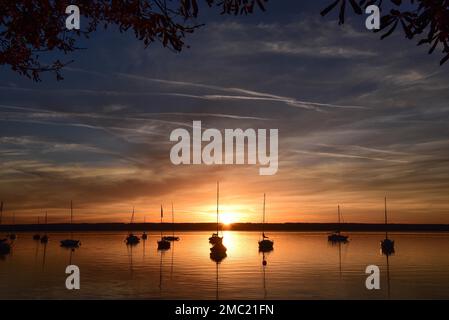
[302,266]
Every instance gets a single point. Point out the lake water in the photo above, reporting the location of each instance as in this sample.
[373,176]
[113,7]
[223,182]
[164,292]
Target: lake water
[301,266]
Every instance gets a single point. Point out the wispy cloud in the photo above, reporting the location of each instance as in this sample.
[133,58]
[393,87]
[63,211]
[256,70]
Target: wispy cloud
[348,156]
[250,94]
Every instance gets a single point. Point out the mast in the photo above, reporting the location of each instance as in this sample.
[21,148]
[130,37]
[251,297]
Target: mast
[263,219]
[162,214]
[218,195]
[132,216]
[71,220]
[339,220]
[386,221]
[173,220]
[132,220]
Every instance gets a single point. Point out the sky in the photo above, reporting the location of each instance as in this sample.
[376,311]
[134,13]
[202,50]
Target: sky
[359,119]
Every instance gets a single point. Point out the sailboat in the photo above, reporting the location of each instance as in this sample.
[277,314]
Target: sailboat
[70,243]
[144,235]
[5,246]
[218,250]
[215,238]
[37,236]
[44,238]
[337,236]
[162,244]
[387,245]
[172,237]
[132,239]
[265,244]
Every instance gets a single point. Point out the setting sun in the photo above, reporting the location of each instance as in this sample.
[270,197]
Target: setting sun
[228,218]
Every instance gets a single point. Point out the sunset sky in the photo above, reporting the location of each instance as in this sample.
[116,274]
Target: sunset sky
[358,119]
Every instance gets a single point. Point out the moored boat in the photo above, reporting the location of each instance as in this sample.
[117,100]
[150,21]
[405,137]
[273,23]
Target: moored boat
[337,236]
[70,243]
[163,244]
[265,244]
[132,239]
[387,245]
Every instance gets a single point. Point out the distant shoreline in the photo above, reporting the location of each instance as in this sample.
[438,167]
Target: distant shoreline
[234,227]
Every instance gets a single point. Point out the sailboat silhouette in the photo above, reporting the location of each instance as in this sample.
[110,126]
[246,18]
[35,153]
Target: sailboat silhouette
[172,237]
[387,245]
[70,243]
[337,236]
[218,249]
[163,244]
[265,244]
[215,238]
[132,239]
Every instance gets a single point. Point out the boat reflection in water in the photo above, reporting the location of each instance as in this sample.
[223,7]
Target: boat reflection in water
[5,247]
[217,256]
[264,266]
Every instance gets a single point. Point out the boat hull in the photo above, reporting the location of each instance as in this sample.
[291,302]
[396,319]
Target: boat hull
[219,248]
[387,246]
[69,243]
[132,239]
[336,237]
[215,239]
[266,245]
[163,245]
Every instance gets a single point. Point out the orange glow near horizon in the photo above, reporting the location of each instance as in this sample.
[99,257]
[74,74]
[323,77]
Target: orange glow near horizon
[238,203]
[228,218]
